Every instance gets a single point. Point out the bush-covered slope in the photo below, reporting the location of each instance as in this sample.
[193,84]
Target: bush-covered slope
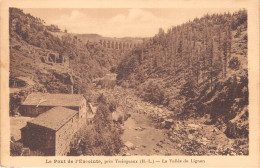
[31,40]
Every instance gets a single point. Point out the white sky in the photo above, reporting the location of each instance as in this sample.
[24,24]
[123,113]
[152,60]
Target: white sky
[119,22]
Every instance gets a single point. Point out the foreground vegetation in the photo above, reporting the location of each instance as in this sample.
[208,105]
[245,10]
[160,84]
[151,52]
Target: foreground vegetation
[103,136]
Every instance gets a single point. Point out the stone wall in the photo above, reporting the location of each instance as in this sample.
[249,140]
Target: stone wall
[64,136]
[90,114]
[83,113]
[39,138]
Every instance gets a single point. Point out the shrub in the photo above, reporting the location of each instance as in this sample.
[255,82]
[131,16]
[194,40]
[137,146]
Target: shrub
[113,69]
[154,93]
[16,148]
[18,28]
[102,138]
[17,47]
[245,37]
[106,83]
[109,102]
[234,63]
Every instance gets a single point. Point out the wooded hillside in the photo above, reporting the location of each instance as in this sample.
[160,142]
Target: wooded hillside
[197,68]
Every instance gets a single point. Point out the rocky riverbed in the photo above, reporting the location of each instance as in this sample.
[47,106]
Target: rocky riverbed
[154,130]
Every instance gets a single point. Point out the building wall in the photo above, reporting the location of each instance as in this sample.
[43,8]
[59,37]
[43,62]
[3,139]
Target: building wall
[83,113]
[33,111]
[90,114]
[64,136]
[39,138]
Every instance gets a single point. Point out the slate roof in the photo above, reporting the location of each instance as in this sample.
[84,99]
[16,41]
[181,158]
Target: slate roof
[54,118]
[47,99]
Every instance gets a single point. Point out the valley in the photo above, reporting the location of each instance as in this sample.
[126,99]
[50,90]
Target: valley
[180,92]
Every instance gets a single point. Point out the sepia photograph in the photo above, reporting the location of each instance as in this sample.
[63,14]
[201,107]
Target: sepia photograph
[153,85]
[129,81]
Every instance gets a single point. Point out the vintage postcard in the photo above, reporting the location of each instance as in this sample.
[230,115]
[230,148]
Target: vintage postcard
[130,83]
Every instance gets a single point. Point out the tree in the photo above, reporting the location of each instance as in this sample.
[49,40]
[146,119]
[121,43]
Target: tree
[225,50]
[229,41]
[18,28]
[211,49]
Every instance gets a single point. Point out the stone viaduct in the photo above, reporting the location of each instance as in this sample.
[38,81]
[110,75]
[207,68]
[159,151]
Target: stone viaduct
[119,45]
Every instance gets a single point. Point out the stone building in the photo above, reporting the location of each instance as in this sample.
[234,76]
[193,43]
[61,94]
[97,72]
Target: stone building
[57,118]
[56,58]
[51,132]
[38,103]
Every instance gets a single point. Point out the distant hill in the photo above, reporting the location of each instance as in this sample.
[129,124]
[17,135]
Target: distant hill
[96,37]
[90,36]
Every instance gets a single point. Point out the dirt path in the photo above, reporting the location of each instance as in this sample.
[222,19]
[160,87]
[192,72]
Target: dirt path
[143,138]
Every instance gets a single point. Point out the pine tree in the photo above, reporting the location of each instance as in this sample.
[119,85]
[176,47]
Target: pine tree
[211,49]
[225,52]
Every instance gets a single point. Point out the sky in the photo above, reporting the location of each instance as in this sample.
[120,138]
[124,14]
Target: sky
[119,22]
